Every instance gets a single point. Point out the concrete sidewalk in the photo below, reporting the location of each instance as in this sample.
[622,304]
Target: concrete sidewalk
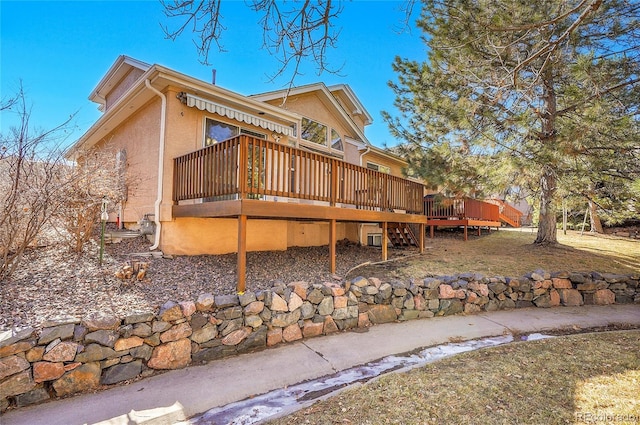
[180,394]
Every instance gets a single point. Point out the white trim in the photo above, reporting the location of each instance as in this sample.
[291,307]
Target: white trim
[225,111]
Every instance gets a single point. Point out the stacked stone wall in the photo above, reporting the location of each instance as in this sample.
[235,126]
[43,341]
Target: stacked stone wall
[71,355]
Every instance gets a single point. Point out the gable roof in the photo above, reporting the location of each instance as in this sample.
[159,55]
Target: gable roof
[160,77]
[121,67]
[328,95]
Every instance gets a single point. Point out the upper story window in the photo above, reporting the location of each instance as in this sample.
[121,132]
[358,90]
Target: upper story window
[217,131]
[318,133]
[378,167]
[336,141]
[313,131]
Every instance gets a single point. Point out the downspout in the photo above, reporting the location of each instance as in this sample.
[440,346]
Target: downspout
[156,208]
[360,225]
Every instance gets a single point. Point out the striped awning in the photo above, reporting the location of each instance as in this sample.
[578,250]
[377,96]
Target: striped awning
[216,108]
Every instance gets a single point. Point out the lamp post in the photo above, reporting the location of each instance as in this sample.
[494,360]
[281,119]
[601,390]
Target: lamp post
[104,216]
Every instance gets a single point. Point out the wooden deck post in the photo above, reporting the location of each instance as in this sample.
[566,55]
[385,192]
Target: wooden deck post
[421,238]
[465,232]
[241,269]
[431,231]
[384,241]
[332,245]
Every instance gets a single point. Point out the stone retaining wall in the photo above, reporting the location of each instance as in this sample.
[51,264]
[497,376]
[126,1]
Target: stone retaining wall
[72,355]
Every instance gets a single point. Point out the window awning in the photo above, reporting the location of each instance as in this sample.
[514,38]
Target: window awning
[215,108]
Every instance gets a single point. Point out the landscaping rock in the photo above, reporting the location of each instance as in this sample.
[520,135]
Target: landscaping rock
[224,301]
[326,306]
[16,384]
[18,347]
[121,372]
[571,297]
[138,318]
[172,355]
[278,304]
[64,352]
[102,337]
[183,330]
[204,334]
[97,321]
[94,353]
[12,365]
[204,302]
[604,297]
[311,329]
[274,336]
[82,378]
[47,371]
[170,311]
[57,332]
[382,314]
[292,333]
[237,336]
[128,343]
[37,395]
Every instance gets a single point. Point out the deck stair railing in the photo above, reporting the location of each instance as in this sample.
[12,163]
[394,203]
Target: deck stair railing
[400,235]
[508,214]
[250,168]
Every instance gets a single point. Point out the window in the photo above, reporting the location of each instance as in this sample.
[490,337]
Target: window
[216,132]
[313,131]
[378,167]
[336,140]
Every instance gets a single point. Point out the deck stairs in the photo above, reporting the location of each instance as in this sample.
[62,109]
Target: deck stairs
[508,214]
[400,235]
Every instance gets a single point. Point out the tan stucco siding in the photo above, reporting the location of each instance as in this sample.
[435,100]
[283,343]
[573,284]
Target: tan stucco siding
[138,136]
[317,233]
[396,166]
[196,236]
[309,105]
[122,86]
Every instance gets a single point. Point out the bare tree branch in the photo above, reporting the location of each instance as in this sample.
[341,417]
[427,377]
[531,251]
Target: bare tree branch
[293,32]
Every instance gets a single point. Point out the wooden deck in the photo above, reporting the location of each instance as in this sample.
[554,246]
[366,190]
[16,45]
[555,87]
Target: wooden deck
[461,212]
[245,178]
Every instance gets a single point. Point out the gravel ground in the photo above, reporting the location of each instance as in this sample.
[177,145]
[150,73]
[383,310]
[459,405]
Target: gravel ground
[51,282]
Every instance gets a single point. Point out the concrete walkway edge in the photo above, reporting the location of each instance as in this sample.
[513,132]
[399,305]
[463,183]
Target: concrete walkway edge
[177,395]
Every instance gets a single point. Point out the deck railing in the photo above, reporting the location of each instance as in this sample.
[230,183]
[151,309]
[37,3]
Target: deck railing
[252,168]
[460,208]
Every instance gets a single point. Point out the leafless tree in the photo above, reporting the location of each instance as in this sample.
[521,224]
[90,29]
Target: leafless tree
[293,32]
[32,172]
[95,178]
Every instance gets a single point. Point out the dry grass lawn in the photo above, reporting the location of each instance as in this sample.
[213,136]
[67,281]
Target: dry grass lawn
[512,253]
[578,379]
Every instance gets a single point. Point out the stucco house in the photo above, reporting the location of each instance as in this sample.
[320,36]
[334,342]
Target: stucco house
[221,172]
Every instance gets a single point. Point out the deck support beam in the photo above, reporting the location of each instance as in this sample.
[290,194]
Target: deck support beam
[241,269]
[332,246]
[421,238]
[384,241]
[465,232]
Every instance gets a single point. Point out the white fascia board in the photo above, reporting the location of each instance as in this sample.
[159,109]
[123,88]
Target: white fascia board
[358,106]
[119,68]
[310,88]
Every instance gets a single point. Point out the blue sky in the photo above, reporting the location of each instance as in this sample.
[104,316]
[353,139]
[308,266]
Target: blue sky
[60,50]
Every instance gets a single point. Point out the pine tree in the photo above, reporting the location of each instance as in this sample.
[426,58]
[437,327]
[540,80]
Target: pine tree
[539,92]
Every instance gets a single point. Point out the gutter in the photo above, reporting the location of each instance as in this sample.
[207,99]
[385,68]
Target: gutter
[156,207]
